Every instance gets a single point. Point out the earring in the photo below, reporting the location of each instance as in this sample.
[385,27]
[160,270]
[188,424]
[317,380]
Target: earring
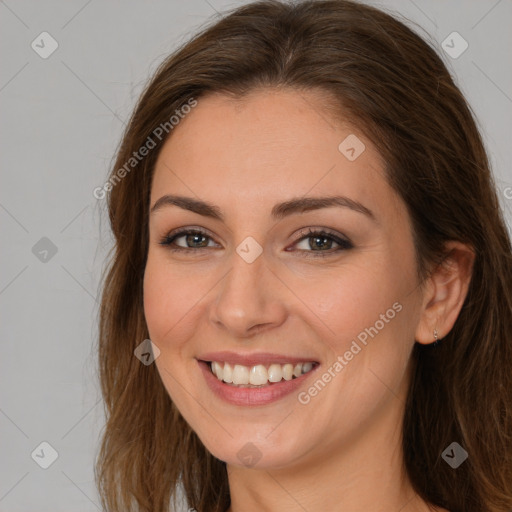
[435,337]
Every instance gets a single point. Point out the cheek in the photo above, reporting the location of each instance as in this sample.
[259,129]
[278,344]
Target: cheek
[158,305]
[355,297]
[169,297]
[366,311]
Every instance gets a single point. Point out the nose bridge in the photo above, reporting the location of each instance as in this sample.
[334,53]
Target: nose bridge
[246,296]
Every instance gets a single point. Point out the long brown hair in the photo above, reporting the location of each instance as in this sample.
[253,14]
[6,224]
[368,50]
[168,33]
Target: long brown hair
[396,89]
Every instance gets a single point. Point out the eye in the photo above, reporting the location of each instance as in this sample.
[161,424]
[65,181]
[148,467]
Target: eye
[320,241]
[194,237]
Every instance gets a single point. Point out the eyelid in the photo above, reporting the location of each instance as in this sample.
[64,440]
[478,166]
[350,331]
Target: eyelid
[185,230]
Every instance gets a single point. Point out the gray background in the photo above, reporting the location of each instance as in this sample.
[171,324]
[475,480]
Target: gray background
[61,121]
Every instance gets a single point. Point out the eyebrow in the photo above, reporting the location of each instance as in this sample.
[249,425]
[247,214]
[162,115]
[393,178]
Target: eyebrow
[279,211]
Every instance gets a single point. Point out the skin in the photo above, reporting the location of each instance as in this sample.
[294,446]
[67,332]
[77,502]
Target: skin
[342,450]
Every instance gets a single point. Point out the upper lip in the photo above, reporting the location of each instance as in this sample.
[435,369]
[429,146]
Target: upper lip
[253,359]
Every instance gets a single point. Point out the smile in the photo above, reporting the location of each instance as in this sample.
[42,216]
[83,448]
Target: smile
[258,375]
[255,384]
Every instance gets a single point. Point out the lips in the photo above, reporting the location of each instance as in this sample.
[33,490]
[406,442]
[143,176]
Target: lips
[253,396]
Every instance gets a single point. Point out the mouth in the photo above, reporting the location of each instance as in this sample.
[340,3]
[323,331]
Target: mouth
[259,375]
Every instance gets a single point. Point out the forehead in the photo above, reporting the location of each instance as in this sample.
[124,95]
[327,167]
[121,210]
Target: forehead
[266,147]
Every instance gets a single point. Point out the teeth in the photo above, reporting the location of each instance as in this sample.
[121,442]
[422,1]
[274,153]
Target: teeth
[306,367]
[275,373]
[287,371]
[217,370]
[228,373]
[240,374]
[258,375]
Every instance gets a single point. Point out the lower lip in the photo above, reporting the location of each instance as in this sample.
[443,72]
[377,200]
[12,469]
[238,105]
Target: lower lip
[252,396]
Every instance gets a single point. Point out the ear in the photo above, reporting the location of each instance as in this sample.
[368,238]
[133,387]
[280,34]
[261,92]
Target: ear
[445,292]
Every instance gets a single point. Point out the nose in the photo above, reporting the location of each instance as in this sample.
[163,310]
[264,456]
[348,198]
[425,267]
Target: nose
[249,299]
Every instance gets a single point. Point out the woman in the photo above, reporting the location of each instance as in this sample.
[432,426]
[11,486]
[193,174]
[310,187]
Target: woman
[307,230]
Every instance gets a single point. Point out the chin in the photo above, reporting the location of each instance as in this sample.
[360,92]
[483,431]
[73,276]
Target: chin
[253,450]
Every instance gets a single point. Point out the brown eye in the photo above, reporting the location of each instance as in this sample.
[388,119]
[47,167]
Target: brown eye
[194,239]
[319,242]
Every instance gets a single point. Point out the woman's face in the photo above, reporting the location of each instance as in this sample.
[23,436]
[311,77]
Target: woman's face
[258,287]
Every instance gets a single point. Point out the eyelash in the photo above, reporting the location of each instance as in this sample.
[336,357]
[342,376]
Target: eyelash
[344,244]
